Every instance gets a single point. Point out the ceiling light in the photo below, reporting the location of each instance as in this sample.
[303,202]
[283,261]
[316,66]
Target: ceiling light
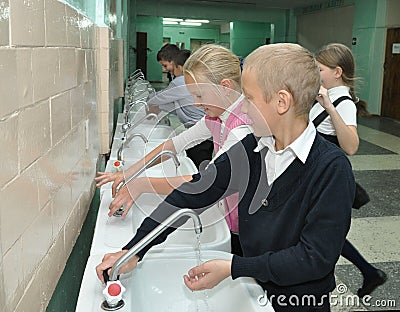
[170,23]
[190,24]
[172,19]
[197,21]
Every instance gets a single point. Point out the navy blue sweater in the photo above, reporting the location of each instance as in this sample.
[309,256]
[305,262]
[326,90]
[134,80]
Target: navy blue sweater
[293,241]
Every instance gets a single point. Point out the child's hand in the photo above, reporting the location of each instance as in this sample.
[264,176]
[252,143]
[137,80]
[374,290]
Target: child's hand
[208,274]
[123,198]
[323,98]
[109,260]
[105,177]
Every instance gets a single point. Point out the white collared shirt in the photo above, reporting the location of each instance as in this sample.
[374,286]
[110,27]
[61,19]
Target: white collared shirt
[346,109]
[276,162]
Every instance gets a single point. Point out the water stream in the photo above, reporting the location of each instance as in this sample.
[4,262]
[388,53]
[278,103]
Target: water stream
[201,297]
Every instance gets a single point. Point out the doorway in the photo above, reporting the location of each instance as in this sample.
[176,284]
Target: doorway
[391,76]
[141,55]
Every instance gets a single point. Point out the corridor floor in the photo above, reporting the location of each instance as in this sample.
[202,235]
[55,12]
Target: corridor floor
[375,228]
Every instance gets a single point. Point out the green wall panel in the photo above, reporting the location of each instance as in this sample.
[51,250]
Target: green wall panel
[154,29]
[247,36]
[369,22]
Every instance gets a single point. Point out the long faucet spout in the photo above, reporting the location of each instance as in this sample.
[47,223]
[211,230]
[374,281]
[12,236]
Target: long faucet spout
[126,127]
[126,141]
[153,234]
[150,162]
[133,105]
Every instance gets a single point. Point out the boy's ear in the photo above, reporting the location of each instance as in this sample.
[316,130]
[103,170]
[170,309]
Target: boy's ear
[284,101]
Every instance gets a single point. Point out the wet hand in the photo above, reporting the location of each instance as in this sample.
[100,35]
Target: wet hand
[123,198]
[109,260]
[207,275]
[105,177]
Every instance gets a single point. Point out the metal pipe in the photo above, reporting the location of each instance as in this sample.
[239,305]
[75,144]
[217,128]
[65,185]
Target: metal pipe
[153,234]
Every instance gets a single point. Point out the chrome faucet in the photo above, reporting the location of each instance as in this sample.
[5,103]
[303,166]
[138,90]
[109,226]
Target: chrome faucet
[128,126]
[150,162]
[131,106]
[119,212]
[153,234]
[126,141]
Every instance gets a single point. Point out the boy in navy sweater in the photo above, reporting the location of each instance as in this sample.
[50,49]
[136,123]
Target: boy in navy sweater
[296,190]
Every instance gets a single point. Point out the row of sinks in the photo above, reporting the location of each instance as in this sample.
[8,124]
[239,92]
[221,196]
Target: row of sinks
[157,283]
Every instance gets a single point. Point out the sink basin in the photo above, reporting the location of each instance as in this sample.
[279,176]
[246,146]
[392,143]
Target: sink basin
[165,169]
[215,236]
[113,233]
[150,132]
[157,285]
[137,116]
[136,150]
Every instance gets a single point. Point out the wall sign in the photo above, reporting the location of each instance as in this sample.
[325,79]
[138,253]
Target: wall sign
[396,48]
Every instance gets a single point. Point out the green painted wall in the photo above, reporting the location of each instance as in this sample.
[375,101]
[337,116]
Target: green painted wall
[154,29]
[370,32]
[97,10]
[186,33]
[247,36]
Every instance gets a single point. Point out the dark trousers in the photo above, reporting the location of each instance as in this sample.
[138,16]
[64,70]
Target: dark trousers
[201,152]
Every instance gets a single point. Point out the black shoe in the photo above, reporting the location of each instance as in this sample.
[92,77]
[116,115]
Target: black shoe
[370,285]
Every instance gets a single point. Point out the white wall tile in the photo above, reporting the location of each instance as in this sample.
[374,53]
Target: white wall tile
[4,22]
[9,143]
[46,72]
[8,78]
[77,104]
[27,23]
[60,116]
[19,207]
[12,272]
[56,23]
[36,241]
[73,32]
[34,133]
[68,73]
[24,77]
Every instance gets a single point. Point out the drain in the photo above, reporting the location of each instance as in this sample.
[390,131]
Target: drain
[106,307]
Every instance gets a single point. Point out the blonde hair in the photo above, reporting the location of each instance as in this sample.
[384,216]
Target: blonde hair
[286,66]
[338,55]
[212,63]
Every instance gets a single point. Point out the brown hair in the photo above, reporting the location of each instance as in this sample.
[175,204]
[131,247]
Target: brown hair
[338,55]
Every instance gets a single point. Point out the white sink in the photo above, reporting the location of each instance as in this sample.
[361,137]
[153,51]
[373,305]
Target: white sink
[150,132]
[136,150]
[157,285]
[165,169]
[111,233]
[215,236]
[138,116]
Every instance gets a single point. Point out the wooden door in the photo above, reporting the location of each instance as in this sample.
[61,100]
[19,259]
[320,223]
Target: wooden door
[391,76]
[141,54]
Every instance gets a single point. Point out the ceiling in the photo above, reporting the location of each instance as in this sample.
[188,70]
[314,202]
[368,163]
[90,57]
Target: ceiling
[272,4]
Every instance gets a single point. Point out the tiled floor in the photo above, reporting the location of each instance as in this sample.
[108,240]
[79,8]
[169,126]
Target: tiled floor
[375,229]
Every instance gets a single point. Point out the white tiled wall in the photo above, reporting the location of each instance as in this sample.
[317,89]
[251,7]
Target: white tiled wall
[55,75]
